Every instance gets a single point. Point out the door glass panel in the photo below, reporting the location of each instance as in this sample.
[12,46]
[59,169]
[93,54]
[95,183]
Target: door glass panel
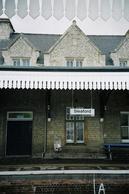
[79,132]
[69,132]
[124,119]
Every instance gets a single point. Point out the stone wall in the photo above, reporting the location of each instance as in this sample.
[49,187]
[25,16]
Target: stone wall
[5,30]
[74,44]
[20,49]
[121,52]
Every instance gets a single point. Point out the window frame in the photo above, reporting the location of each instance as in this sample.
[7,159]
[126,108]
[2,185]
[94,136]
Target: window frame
[76,62]
[74,120]
[19,118]
[121,126]
[122,61]
[21,63]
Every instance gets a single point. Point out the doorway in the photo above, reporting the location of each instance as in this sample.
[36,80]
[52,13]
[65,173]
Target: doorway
[19,134]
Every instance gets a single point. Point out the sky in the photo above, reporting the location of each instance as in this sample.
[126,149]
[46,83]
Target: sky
[53,26]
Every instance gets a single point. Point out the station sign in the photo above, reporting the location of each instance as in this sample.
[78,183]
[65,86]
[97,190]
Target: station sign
[89,112]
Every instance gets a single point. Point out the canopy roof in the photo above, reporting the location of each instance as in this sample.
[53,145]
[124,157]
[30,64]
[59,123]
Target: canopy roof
[116,79]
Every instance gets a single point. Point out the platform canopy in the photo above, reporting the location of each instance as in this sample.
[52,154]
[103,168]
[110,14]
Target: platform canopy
[64,80]
[70,9]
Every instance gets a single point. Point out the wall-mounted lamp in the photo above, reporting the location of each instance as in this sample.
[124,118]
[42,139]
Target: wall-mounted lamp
[101,120]
[105,108]
[49,113]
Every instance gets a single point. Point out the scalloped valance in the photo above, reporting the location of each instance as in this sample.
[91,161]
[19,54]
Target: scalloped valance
[70,9]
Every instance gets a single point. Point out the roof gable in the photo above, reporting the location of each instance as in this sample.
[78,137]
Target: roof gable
[21,37]
[71,29]
[123,41]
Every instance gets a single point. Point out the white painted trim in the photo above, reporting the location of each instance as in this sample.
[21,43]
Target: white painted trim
[125,140]
[64,172]
[64,80]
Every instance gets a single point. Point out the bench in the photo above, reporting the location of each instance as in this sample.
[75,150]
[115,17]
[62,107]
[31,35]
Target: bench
[116,148]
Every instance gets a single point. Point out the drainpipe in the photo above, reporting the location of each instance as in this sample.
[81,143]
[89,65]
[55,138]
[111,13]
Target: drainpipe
[46,119]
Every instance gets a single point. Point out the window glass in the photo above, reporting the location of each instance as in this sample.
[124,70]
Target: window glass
[19,115]
[78,63]
[79,132]
[124,119]
[74,62]
[16,62]
[124,132]
[124,124]
[25,62]
[69,63]
[74,128]
[21,62]
[69,132]
[123,63]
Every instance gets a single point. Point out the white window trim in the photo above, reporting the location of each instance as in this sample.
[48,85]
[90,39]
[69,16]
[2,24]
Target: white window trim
[70,141]
[125,140]
[72,119]
[21,61]
[74,59]
[82,141]
[123,60]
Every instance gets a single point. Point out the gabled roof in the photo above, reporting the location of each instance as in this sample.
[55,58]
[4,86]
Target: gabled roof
[122,42]
[106,43]
[73,26]
[43,42]
[21,36]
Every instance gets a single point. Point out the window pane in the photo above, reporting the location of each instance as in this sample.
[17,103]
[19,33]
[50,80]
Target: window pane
[16,62]
[79,118]
[25,62]
[79,132]
[78,63]
[20,115]
[124,132]
[124,119]
[69,63]
[123,63]
[69,132]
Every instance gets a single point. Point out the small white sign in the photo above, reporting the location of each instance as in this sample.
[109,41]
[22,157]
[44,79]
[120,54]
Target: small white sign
[82,111]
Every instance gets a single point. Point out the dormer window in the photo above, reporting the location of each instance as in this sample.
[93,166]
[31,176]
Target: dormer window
[74,62]
[18,62]
[70,62]
[123,62]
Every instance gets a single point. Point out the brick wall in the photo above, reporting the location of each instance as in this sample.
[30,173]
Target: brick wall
[34,100]
[118,101]
[24,100]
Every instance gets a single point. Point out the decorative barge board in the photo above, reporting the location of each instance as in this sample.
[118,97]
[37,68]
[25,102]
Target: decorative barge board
[65,181]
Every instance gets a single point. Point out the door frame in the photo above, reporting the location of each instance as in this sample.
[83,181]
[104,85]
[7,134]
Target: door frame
[16,119]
